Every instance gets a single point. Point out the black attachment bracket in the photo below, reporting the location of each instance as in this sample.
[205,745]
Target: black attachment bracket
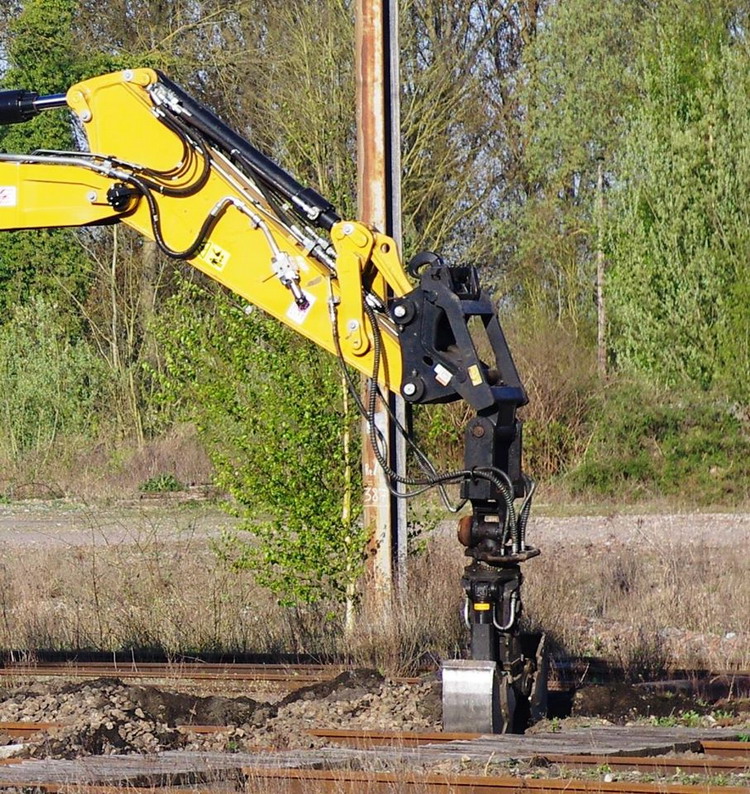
[440,359]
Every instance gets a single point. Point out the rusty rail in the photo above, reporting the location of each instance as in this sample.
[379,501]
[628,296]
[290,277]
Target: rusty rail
[734,757]
[361,738]
[291,676]
[727,749]
[282,675]
[658,764]
[298,781]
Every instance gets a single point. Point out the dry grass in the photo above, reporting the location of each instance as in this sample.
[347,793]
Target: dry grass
[162,585]
[106,471]
[647,609]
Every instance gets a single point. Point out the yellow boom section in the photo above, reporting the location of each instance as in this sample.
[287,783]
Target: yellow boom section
[246,245]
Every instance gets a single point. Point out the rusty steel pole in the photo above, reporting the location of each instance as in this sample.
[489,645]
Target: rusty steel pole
[379,204]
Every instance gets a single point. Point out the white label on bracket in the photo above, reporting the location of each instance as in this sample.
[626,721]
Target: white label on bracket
[442,375]
[297,315]
[8,196]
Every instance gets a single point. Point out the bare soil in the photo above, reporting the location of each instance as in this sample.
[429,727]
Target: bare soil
[107,716]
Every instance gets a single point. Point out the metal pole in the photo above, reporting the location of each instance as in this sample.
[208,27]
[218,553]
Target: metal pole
[379,204]
[601,310]
[401,410]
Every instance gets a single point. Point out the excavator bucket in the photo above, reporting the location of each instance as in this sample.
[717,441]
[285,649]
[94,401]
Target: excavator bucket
[471,697]
[480,697]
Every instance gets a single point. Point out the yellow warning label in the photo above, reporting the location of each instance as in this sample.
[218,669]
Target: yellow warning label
[481,607]
[475,375]
[214,256]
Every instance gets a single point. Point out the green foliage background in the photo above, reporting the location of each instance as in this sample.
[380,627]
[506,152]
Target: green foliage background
[510,114]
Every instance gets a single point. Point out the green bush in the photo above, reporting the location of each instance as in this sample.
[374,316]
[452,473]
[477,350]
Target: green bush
[162,483]
[50,385]
[269,407]
[654,443]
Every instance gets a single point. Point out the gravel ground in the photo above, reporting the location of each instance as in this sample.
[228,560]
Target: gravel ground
[651,529]
[41,523]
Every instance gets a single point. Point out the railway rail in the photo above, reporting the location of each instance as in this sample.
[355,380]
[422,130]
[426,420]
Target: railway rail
[719,759]
[737,753]
[297,781]
[352,782]
[724,761]
[281,676]
[298,673]
[567,675]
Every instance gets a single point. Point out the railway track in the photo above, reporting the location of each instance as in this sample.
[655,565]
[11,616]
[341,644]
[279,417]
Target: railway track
[720,757]
[308,783]
[566,674]
[321,782]
[699,773]
[293,675]
[351,782]
[719,760]
[277,673]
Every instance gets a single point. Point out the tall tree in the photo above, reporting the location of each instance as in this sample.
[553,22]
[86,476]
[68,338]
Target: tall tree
[578,83]
[679,217]
[41,55]
[461,137]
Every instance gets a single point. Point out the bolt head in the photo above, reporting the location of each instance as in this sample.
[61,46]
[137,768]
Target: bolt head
[85,115]
[348,228]
[399,311]
[127,75]
[91,196]
[409,389]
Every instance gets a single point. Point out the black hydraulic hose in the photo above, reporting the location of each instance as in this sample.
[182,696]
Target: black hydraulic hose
[306,201]
[191,189]
[354,392]
[195,246]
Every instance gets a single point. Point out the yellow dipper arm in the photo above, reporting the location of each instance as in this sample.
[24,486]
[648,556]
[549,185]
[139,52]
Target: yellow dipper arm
[198,201]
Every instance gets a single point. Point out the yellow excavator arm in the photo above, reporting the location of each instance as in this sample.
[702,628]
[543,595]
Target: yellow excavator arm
[137,136]
[165,165]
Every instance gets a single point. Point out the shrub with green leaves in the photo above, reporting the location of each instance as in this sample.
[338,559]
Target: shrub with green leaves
[49,384]
[269,406]
[650,443]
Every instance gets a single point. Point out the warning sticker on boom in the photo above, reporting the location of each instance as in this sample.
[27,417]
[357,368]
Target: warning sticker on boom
[214,255]
[8,196]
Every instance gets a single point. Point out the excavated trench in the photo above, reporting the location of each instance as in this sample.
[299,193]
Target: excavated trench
[107,716]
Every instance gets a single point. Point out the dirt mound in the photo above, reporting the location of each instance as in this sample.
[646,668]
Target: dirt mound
[349,685]
[106,716]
